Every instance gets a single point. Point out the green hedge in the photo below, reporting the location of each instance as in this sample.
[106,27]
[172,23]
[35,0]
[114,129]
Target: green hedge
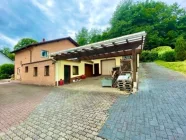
[148,56]
[164,53]
[4,76]
[6,70]
[168,56]
[162,49]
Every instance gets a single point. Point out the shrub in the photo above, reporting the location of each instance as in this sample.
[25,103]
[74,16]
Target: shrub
[162,49]
[4,76]
[180,49]
[148,56]
[6,70]
[168,56]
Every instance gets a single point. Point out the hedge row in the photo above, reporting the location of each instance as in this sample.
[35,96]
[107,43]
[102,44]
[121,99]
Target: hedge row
[150,56]
[6,70]
[166,53]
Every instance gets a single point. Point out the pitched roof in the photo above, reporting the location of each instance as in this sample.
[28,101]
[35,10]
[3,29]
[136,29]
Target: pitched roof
[46,42]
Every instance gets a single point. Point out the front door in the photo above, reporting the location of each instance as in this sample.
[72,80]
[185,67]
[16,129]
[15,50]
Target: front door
[88,70]
[66,74]
[96,69]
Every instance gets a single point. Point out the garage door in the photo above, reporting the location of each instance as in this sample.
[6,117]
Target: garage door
[107,66]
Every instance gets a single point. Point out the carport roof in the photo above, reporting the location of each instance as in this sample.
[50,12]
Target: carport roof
[109,48]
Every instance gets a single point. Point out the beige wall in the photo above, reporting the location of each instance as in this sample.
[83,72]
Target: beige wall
[60,68]
[99,62]
[50,47]
[40,79]
[33,54]
[21,57]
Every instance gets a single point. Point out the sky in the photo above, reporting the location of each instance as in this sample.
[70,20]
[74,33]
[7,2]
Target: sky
[52,19]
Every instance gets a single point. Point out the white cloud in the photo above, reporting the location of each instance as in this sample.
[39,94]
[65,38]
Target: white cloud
[8,40]
[45,7]
[71,33]
[50,3]
[98,12]
[81,6]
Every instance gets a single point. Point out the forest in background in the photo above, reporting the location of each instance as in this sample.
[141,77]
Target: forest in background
[163,23]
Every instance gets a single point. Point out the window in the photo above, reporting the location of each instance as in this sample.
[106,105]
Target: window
[46,70]
[35,71]
[75,70]
[44,53]
[26,69]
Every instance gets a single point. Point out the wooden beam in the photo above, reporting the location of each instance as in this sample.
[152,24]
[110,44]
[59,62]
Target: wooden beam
[105,48]
[116,49]
[127,41]
[134,64]
[88,56]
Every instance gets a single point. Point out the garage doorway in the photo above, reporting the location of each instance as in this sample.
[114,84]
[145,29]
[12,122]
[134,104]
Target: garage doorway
[107,65]
[88,70]
[66,74]
[96,69]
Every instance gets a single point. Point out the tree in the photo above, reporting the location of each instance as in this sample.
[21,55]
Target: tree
[82,37]
[180,49]
[6,51]
[24,42]
[163,23]
[94,35]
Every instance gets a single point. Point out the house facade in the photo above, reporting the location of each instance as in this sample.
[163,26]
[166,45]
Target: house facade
[5,60]
[48,62]
[33,64]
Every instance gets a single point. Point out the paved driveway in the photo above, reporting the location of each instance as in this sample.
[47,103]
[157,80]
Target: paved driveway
[18,101]
[65,114]
[156,112]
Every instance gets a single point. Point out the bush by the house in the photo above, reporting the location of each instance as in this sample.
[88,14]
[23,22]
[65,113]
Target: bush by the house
[6,70]
[4,76]
[148,56]
[180,49]
[168,56]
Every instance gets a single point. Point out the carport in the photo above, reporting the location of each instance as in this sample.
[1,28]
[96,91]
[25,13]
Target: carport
[131,44]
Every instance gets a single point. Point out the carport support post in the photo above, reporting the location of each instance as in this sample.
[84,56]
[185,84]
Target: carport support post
[134,62]
[56,73]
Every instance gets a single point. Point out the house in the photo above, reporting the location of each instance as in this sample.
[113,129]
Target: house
[47,62]
[5,60]
[33,64]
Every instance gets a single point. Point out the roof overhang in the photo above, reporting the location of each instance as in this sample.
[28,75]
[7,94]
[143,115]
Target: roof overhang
[119,46]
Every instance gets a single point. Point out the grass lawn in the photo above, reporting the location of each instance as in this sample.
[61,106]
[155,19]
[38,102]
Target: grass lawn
[179,66]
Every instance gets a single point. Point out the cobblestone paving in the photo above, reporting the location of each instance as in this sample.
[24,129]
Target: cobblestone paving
[65,114]
[17,101]
[156,112]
